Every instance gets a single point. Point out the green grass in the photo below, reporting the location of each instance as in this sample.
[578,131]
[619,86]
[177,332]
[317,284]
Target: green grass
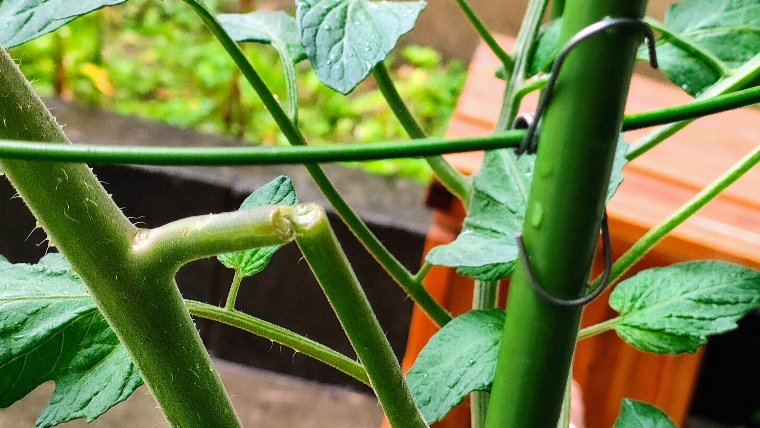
[128,60]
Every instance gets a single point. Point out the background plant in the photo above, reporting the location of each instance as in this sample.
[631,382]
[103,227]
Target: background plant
[508,195]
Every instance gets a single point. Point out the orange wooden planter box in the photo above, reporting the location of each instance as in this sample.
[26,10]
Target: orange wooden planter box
[655,185]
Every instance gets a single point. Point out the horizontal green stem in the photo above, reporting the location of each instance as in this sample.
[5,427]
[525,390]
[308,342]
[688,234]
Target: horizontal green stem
[742,78]
[280,335]
[454,181]
[219,156]
[651,238]
[693,110]
[593,330]
[703,55]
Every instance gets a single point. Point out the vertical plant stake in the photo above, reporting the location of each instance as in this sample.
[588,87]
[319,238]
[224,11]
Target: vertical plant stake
[105,315]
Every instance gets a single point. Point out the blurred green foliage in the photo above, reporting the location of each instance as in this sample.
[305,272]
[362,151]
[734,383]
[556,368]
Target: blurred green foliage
[155,60]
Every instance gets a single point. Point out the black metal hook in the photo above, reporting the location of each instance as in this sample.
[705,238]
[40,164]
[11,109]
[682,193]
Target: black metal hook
[581,301]
[530,144]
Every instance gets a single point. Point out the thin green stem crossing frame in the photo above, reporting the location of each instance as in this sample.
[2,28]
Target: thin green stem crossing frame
[218,156]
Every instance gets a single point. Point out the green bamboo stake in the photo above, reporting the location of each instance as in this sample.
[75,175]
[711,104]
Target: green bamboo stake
[577,143]
[142,304]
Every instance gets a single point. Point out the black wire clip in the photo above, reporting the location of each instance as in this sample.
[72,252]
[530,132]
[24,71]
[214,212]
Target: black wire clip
[530,145]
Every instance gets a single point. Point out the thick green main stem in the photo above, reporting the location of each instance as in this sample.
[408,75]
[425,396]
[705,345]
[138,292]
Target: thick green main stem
[577,144]
[142,306]
[322,251]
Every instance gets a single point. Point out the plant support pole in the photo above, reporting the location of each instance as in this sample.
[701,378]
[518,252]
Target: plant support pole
[578,135]
[142,306]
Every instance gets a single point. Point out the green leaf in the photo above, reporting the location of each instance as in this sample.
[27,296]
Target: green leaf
[486,249]
[50,329]
[545,49]
[459,359]
[635,414]
[728,30]
[25,20]
[495,215]
[278,29]
[279,191]
[673,309]
[345,39]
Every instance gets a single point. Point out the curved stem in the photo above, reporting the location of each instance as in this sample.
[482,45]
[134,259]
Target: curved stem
[525,38]
[596,329]
[280,335]
[507,61]
[651,238]
[397,271]
[455,182]
[322,251]
[525,89]
[743,77]
[218,156]
[234,288]
[705,56]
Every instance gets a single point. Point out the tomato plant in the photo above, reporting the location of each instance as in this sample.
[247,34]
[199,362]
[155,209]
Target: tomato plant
[105,315]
